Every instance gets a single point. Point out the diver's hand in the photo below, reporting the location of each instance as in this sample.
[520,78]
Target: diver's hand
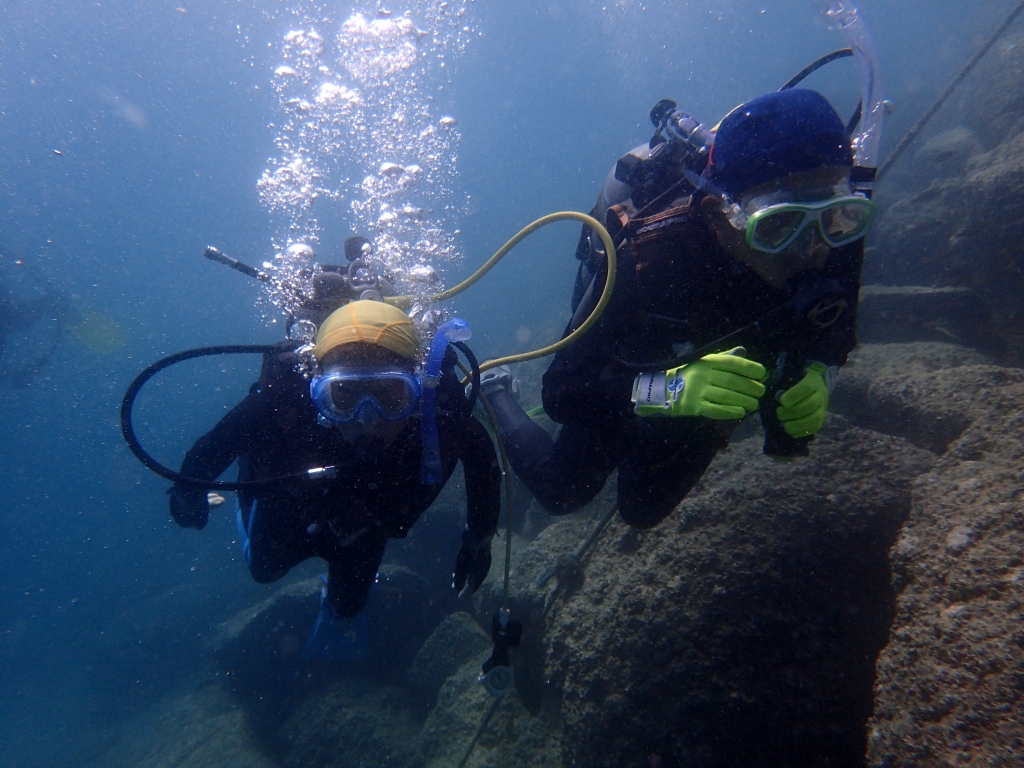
[720,386]
[803,406]
[190,507]
[472,564]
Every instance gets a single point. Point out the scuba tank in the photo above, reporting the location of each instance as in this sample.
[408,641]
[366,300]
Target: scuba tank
[335,285]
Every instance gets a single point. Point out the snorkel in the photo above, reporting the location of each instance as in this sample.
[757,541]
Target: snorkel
[455,330]
[843,16]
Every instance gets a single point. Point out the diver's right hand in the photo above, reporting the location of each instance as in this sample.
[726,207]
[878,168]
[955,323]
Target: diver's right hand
[721,386]
[189,506]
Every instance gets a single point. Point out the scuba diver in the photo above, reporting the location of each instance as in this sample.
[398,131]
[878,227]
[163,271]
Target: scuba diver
[37,316]
[42,307]
[736,291]
[384,432]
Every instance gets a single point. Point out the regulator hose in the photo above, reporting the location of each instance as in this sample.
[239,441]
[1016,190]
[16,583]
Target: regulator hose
[405,301]
[128,430]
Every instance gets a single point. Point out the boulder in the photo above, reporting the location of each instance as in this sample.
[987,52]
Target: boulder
[916,313]
[353,722]
[964,232]
[991,100]
[453,725]
[946,153]
[258,654]
[949,681]
[201,728]
[472,729]
[743,629]
[543,571]
[455,641]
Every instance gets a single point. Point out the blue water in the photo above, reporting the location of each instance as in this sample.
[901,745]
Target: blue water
[132,135]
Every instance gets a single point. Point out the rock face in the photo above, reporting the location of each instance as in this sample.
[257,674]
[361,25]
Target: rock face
[961,231]
[455,641]
[956,218]
[946,153]
[470,729]
[201,728]
[357,722]
[949,681]
[991,100]
[743,629]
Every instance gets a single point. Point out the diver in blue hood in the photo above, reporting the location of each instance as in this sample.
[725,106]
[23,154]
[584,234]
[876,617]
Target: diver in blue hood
[736,292]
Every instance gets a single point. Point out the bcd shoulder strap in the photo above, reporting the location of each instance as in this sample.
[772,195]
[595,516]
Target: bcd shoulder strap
[656,245]
[279,368]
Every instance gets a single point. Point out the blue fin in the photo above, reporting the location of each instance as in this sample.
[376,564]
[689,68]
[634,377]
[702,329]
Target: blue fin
[337,639]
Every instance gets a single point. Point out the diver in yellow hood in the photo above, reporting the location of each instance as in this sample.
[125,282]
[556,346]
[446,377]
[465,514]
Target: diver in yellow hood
[391,432]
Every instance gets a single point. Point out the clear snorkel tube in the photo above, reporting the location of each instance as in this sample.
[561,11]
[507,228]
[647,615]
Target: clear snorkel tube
[456,329]
[843,16]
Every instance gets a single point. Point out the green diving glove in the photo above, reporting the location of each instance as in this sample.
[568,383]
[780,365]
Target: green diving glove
[720,386]
[803,406]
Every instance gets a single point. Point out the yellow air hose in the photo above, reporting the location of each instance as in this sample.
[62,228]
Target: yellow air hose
[404,302]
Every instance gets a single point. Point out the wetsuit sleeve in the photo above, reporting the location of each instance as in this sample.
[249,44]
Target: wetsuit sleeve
[235,434]
[483,480]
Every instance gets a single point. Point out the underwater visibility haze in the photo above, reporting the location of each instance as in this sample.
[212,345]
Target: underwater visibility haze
[135,135]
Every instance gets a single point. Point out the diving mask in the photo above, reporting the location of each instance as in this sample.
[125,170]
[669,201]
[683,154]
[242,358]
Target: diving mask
[347,395]
[771,227]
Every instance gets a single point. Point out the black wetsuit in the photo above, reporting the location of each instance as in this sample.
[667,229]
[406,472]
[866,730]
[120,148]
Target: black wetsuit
[376,495]
[675,289]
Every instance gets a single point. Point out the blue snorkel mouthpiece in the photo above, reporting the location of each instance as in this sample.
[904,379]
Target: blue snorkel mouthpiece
[457,329]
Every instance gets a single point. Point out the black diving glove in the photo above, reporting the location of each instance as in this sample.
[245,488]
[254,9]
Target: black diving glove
[190,507]
[472,564]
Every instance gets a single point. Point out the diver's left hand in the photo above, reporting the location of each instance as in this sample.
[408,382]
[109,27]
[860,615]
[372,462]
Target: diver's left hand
[472,564]
[803,406]
[190,507]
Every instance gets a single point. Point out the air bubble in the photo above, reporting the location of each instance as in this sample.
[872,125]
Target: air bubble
[357,126]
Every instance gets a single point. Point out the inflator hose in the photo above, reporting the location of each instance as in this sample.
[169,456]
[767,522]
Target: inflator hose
[152,464]
[543,221]
[128,403]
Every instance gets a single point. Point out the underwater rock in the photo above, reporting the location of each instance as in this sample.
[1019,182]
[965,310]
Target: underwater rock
[946,153]
[456,640]
[948,682]
[991,100]
[878,389]
[201,728]
[933,410]
[402,611]
[871,361]
[471,728]
[353,722]
[913,313]
[259,654]
[270,632]
[543,573]
[743,629]
[964,232]
[451,726]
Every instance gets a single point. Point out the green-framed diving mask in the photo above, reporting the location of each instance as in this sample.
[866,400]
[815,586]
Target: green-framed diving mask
[774,227]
